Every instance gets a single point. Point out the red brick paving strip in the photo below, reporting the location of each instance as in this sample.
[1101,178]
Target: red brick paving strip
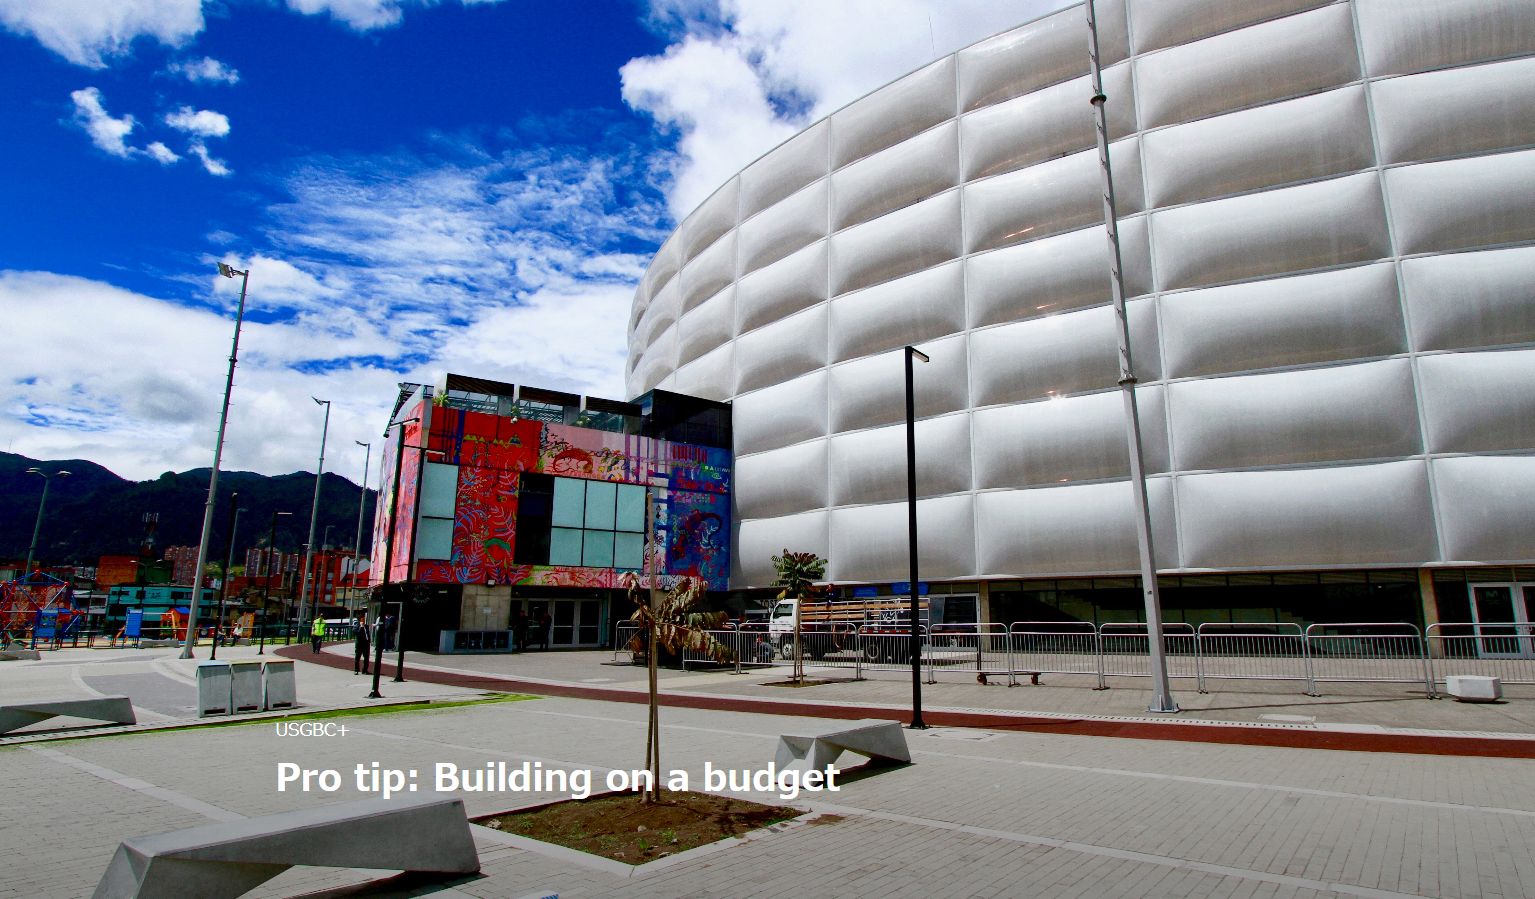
[1491,747]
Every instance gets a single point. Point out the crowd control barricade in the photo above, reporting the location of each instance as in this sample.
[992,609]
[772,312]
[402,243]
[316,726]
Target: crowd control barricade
[1367,653]
[970,648]
[1252,652]
[1503,650]
[728,637]
[1124,650]
[623,632]
[1054,647]
[885,647]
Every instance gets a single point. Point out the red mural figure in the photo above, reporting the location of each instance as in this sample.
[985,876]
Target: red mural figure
[485,525]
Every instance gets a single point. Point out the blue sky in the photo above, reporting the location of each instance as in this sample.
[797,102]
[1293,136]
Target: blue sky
[415,186]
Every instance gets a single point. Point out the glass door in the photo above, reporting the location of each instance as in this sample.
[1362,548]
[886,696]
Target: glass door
[1502,613]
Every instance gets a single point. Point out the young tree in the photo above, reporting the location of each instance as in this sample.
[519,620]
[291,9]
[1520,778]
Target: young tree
[797,574]
[671,620]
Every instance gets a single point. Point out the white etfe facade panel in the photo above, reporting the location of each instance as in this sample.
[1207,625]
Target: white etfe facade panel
[1327,238]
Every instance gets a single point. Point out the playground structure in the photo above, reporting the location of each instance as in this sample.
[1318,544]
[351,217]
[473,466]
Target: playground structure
[38,608]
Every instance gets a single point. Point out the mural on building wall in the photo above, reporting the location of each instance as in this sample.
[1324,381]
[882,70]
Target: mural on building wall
[690,483]
[484,526]
[405,504]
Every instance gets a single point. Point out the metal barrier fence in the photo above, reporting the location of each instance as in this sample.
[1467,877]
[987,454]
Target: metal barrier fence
[1252,652]
[1054,647]
[1504,651]
[1215,651]
[1367,653]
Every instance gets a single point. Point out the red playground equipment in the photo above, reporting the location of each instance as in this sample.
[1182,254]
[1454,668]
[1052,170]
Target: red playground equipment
[37,608]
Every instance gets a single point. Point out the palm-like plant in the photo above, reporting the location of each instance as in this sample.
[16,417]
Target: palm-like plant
[797,574]
[671,620]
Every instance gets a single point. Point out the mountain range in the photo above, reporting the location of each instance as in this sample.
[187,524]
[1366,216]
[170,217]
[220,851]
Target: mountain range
[94,513]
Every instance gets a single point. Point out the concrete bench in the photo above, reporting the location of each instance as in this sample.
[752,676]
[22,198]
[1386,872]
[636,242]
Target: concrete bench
[113,709]
[222,861]
[17,654]
[820,746]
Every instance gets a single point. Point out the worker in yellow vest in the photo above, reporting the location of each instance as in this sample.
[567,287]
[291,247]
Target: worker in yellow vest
[317,632]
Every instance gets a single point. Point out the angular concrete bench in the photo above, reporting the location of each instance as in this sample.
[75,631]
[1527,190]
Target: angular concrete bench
[113,709]
[222,861]
[820,746]
[19,655]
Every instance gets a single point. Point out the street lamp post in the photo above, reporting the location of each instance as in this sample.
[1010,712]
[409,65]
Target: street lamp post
[314,514]
[218,452]
[362,501]
[38,527]
[266,591]
[911,538]
[1161,690]
[229,555]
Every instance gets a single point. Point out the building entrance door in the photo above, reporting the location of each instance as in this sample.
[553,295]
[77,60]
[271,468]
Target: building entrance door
[1503,612]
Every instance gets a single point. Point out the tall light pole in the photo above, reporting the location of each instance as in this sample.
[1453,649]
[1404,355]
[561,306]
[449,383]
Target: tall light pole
[314,514]
[213,479]
[1161,691]
[266,591]
[38,527]
[911,538]
[362,501]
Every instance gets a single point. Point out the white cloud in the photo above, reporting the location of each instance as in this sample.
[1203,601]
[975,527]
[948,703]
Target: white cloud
[88,32]
[107,133]
[745,74]
[377,271]
[202,122]
[161,153]
[92,32]
[212,165]
[204,71]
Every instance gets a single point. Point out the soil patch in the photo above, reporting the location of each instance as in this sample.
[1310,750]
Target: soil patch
[625,829]
[803,683]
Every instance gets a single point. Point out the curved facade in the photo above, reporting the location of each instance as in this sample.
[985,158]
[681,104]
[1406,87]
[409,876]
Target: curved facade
[1328,226]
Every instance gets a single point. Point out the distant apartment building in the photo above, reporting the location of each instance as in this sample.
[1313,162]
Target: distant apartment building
[185,560]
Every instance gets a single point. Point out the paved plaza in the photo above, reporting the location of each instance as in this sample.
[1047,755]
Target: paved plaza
[978,813]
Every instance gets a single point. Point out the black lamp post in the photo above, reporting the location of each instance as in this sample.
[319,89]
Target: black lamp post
[266,590]
[38,527]
[911,540]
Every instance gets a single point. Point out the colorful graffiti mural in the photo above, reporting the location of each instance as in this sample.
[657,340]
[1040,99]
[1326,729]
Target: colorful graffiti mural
[689,484]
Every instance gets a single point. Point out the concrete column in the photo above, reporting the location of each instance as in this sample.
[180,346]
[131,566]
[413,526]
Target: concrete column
[983,602]
[1430,609]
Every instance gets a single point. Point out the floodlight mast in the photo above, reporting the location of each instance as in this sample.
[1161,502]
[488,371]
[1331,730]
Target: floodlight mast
[213,479]
[38,527]
[1161,691]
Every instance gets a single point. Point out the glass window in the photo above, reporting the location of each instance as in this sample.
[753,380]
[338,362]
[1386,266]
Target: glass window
[564,621]
[564,546]
[599,504]
[439,491]
[597,549]
[630,513]
[628,551]
[569,504]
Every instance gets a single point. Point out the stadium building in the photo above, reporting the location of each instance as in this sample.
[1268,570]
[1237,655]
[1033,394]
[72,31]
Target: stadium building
[1327,213]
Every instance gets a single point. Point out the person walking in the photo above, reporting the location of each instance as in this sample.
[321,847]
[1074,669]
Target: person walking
[545,624]
[519,630]
[317,633]
[362,644]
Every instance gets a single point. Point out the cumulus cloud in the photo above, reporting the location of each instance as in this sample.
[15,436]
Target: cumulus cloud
[161,153]
[742,75]
[204,71]
[108,134]
[517,265]
[90,32]
[202,122]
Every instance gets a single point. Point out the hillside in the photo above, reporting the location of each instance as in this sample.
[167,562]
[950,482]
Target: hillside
[95,513]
